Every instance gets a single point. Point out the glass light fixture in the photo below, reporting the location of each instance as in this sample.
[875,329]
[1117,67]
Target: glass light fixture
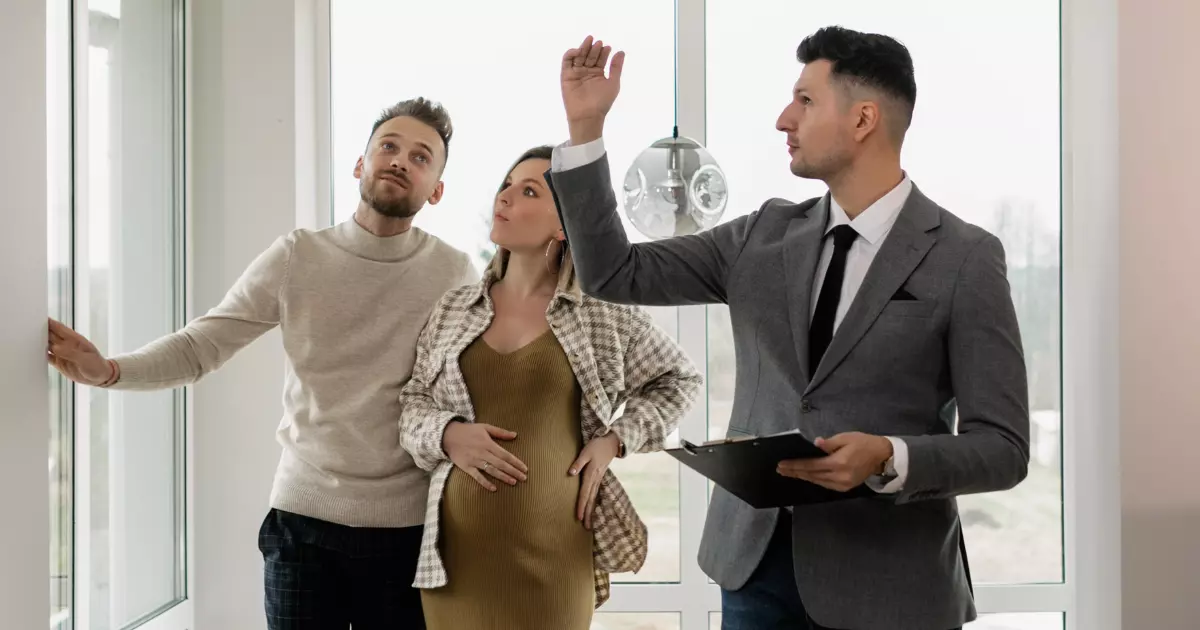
[673,188]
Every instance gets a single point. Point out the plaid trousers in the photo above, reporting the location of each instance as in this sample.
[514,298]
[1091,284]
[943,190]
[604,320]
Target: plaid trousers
[324,576]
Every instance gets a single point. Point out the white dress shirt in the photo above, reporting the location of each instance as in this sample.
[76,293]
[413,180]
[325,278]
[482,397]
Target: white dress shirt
[872,225]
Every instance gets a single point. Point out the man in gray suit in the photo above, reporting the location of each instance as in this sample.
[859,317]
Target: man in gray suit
[871,319]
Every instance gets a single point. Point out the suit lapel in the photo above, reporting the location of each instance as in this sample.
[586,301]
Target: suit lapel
[902,250]
[801,251]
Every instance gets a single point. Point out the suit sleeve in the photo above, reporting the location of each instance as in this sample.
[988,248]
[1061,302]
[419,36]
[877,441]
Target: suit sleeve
[988,375]
[677,271]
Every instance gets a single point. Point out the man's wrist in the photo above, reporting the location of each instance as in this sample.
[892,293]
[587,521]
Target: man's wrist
[114,374]
[585,130]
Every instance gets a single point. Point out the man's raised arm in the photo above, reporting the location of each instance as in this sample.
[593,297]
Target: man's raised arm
[682,270]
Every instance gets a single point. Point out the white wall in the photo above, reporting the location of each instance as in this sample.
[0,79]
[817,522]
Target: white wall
[243,197]
[1160,313]
[24,424]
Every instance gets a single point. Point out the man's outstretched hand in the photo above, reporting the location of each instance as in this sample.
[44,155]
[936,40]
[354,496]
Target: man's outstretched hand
[75,357]
[587,93]
[852,459]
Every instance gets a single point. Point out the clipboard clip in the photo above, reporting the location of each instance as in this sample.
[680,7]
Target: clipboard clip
[688,447]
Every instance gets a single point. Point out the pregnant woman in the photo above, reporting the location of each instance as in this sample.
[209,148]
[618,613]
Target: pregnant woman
[513,406]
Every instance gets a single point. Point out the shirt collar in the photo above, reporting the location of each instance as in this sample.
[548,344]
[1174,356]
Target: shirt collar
[874,222]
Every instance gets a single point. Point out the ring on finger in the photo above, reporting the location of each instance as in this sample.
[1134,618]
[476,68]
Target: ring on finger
[485,466]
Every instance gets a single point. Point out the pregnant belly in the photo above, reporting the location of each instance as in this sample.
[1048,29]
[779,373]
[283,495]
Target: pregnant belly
[517,532]
[534,509]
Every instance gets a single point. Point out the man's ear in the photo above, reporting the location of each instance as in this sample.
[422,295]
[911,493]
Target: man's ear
[868,120]
[437,194]
[358,168]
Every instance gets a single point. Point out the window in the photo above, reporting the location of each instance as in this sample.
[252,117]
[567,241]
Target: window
[116,275]
[635,621]
[58,162]
[1011,621]
[984,144]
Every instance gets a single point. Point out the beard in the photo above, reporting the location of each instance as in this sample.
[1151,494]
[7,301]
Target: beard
[822,167]
[376,194]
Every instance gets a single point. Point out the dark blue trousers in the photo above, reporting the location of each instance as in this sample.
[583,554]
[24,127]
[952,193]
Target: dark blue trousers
[323,576]
[770,600]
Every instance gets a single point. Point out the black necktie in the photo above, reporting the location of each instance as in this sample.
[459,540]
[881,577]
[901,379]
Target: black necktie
[821,331]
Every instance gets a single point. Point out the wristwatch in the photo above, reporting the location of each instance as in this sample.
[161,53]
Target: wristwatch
[888,470]
[620,447]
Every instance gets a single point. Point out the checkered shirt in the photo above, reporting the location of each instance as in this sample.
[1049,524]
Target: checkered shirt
[619,358]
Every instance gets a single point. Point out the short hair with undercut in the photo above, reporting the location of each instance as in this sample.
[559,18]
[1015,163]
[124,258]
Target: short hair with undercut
[429,112]
[877,62]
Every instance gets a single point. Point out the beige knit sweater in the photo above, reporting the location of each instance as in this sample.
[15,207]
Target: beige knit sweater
[350,306]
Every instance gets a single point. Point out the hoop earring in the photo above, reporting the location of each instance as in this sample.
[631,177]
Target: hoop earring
[547,256]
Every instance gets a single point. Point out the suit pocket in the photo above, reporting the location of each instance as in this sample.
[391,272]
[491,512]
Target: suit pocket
[909,308]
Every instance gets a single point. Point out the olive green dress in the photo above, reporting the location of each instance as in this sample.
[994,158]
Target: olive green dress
[518,558]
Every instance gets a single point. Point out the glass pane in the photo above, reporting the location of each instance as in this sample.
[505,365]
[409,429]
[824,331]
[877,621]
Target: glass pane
[635,621]
[1007,621]
[1019,621]
[498,113]
[130,292]
[61,463]
[1011,188]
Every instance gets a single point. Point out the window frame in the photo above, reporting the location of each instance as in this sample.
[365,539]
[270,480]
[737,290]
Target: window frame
[179,613]
[1089,595]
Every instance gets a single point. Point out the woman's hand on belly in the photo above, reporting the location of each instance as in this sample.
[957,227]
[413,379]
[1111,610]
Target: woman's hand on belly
[593,461]
[473,448]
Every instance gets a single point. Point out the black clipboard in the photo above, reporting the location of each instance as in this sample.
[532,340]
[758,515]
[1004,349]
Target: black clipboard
[746,467]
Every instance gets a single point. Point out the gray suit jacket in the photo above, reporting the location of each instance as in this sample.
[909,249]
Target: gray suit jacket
[894,367]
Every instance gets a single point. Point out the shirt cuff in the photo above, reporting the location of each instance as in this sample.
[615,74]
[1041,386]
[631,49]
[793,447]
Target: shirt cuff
[900,460]
[567,156]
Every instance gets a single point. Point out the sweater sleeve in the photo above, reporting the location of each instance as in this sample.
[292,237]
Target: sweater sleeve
[248,310]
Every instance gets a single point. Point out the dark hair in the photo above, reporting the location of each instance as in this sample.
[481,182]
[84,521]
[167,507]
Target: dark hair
[866,59]
[543,152]
[429,112]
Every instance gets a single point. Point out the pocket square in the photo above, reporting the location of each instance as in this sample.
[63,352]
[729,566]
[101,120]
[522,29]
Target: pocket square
[902,295]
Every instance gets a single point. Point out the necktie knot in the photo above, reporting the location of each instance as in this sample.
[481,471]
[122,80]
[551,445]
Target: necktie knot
[843,236]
